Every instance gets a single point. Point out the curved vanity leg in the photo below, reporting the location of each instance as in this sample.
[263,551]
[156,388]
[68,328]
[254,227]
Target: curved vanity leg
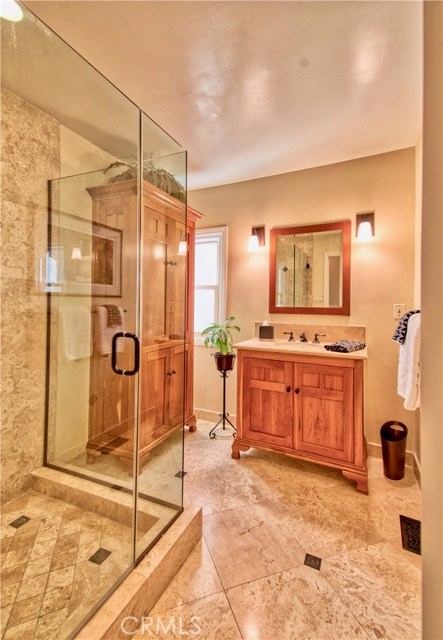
[360,479]
[236,448]
[191,423]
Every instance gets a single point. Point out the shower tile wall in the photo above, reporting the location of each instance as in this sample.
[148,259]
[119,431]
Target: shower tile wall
[30,156]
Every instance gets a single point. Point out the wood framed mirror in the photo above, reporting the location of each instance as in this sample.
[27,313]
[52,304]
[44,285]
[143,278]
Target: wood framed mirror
[310,269]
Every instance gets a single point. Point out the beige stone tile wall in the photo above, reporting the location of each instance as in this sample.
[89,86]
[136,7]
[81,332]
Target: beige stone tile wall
[30,150]
[332,332]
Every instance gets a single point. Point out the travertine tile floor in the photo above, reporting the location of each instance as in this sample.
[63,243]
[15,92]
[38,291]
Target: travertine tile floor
[48,583]
[262,514]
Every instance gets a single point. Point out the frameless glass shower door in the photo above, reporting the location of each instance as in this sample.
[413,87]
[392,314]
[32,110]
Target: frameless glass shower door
[108,252]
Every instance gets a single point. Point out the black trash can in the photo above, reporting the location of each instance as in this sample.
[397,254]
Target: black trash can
[393,443]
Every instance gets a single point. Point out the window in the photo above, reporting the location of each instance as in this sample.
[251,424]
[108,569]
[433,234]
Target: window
[210,277]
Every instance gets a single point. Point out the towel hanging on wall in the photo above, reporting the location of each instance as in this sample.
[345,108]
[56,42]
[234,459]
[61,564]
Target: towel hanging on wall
[103,333]
[402,327]
[76,339]
[408,386]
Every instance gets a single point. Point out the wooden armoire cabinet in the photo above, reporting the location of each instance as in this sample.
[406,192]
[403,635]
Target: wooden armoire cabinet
[166,331]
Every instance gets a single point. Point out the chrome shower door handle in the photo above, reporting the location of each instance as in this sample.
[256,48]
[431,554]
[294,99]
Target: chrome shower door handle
[115,368]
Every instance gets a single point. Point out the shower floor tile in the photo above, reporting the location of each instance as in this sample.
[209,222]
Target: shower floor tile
[48,584]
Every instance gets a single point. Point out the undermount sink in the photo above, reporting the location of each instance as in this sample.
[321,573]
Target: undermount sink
[302,345]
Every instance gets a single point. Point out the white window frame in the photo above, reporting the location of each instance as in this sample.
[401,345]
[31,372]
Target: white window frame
[219,234]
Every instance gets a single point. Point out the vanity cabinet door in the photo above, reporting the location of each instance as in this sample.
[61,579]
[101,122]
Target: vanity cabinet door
[267,401]
[324,411]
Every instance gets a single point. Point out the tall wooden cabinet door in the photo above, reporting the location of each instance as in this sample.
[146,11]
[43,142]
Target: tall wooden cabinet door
[153,406]
[267,399]
[324,411]
[176,384]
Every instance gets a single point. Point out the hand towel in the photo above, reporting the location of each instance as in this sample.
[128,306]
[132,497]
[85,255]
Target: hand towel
[408,386]
[114,315]
[345,346]
[75,324]
[103,334]
[402,327]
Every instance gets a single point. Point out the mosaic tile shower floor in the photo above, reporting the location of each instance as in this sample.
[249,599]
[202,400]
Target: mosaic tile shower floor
[48,582]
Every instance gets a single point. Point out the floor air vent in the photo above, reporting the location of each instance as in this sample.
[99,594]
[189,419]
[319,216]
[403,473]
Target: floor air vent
[410,534]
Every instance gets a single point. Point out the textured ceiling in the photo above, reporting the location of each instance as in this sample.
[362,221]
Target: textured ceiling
[258,88]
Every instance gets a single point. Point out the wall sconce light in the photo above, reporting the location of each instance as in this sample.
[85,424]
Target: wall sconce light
[256,239]
[76,254]
[365,226]
[10,10]
[182,248]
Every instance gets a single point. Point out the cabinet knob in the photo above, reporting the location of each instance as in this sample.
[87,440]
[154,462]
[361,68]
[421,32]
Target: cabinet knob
[297,391]
[288,389]
[171,373]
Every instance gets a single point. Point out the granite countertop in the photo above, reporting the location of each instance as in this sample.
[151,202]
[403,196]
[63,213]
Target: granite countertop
[305,348]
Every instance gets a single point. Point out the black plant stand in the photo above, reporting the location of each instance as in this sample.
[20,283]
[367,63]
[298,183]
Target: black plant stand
[224,417]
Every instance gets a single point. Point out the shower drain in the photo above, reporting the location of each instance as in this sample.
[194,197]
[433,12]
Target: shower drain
[19,522]
[100,556]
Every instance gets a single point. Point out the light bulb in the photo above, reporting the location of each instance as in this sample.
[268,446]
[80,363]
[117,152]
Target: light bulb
[76,254]
[253,243]
[10,10]
[364,231]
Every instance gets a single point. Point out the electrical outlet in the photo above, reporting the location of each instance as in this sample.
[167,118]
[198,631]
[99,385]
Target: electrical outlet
[399,311]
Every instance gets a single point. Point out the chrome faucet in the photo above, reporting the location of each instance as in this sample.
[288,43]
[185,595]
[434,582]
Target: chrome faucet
[303,337]
[316,338]
[290,334]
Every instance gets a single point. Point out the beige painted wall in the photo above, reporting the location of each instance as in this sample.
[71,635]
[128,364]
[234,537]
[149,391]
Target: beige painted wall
[432,324]
[382,272]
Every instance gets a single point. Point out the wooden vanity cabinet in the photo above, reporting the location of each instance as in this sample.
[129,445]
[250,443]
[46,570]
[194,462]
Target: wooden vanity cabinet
[304,406]
[167,323]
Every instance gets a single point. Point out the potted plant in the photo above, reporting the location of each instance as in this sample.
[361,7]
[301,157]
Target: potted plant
[219,336]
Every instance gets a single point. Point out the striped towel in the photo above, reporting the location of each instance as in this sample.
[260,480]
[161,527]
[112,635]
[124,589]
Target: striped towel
[402,328]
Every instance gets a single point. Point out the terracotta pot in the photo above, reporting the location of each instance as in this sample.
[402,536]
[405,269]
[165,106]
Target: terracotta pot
[224,363]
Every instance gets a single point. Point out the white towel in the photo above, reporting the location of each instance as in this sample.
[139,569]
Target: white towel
[103,334]
[408,386]
[76,336]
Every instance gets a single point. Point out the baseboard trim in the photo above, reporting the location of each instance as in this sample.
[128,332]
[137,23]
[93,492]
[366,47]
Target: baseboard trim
[417,469]
[212,416]
[375,451]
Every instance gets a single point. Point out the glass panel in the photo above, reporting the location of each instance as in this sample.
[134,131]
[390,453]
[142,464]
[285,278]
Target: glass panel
[164,348]
[206,263]
[204,312]
[60,120]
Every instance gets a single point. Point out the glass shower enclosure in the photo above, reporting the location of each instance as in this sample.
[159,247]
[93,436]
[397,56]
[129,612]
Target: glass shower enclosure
[108,231]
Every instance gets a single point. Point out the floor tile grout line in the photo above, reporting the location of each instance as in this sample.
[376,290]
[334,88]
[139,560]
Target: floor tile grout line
[346,606]
[224,590]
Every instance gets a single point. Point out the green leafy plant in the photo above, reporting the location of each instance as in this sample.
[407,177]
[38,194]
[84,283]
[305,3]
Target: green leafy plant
[219,336]
[158,177]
